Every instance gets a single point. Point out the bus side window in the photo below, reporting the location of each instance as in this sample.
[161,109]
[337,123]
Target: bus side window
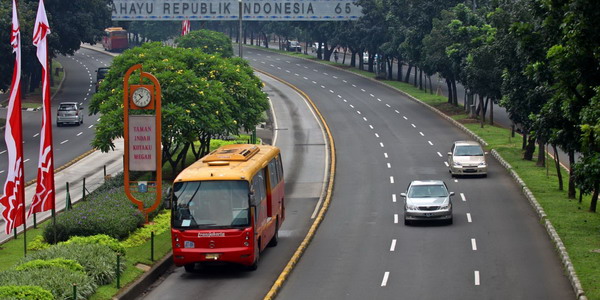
[273,178]
[258,185]
[279,167]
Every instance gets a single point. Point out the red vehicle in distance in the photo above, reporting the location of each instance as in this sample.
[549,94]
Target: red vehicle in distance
[115,39]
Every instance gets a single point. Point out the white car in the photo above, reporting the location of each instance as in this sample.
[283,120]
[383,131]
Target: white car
[69,112]
[427,200]
[467,158]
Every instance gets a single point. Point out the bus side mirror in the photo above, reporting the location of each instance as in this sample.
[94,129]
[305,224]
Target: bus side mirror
[252,198]
[167,198]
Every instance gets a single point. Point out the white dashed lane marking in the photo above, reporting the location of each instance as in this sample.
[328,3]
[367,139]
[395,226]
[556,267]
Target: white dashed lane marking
[393,245]
[469,218]
[386,275]
[473,244]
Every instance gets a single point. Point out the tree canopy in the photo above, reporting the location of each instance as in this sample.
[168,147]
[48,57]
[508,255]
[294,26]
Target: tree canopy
[203,95]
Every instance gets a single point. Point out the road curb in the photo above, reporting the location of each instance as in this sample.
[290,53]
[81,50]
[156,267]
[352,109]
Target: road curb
[552,234]
[554,237]
[138,287]
[325,194]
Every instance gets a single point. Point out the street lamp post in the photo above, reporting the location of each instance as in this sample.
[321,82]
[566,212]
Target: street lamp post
[240,30]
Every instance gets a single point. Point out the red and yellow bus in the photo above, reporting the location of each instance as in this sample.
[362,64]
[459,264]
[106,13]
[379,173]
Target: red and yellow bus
[228,206]
[115,39]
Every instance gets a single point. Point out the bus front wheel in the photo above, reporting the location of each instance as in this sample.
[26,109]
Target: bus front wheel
[190,267]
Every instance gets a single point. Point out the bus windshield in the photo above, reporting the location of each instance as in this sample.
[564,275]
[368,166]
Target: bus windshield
[210,204]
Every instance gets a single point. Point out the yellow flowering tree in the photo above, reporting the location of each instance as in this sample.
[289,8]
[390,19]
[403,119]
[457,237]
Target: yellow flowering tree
[203,96]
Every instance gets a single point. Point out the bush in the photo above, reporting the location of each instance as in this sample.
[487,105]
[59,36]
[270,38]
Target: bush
[38,243]
[101,239]
[162,223]
[210,42]
[67,264]
[109,213]
[25,292]
[98,260]
[54,279]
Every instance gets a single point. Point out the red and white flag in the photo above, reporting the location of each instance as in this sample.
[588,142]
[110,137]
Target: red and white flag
[44,197]
[185,27]
[13,199]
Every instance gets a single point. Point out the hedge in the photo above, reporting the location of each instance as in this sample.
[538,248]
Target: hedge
[110,213]
[28,292]
[55,279]
[99,261]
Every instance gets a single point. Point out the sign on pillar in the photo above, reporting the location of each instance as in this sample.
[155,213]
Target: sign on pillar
[142,115]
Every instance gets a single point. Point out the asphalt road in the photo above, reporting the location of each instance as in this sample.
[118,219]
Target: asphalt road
[496,248]
[302,142]
[69,141]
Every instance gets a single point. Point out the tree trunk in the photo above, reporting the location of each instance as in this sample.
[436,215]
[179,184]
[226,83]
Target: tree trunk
[449,84]
[482,112]
[399,70]
[492,111]
[421,80]
[344,57]
[390,69]
[558,170]
[266,40]
[415,76]
[454,93]
[594,200]
[541,159]
[407,77]
[352,59]
[571,192]
[529,149]
[430,86]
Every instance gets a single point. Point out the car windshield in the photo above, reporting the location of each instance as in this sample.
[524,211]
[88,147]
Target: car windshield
[468,151]
[67,107]
[427,191]
[206,204]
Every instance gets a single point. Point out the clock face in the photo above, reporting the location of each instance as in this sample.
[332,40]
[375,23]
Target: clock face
[141,97]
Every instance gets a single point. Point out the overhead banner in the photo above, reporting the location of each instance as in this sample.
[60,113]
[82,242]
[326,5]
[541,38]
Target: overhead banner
[252,10]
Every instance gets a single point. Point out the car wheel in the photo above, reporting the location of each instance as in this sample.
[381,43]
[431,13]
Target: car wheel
[190,267]
[407,222]
[449,222]
[58,124]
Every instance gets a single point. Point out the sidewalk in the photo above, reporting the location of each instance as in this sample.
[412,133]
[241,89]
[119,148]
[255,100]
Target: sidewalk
[89,166]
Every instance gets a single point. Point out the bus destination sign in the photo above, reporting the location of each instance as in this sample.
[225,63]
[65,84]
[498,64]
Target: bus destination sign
[252,10]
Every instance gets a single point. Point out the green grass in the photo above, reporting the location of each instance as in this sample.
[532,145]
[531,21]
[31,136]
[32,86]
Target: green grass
[12,251]
[137,255]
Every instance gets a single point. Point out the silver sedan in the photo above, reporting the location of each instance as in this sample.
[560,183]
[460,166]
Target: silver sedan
[427,200]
